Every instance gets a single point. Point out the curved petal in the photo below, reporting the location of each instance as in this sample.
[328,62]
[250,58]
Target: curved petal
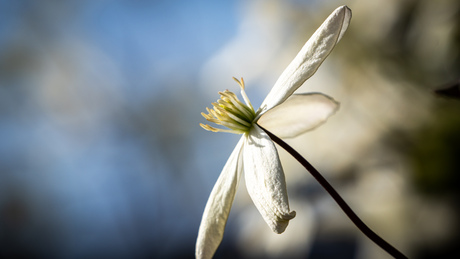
[218,206]
[265,180]
[310,57]
[298,114]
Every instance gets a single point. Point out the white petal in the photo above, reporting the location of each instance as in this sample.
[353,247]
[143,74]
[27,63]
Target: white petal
[298,114]
[310,57]
[219,204]
[265,180]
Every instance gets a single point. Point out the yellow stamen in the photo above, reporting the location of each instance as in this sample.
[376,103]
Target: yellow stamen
[230,112]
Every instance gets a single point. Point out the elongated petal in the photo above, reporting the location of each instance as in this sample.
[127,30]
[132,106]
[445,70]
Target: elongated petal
[219,204]
[310,57]
[298,114]
[265,180]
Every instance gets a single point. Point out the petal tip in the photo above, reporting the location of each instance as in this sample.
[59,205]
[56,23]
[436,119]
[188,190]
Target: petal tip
[344,8]
[281,223]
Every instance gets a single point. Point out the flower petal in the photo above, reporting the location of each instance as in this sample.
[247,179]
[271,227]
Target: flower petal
[265,179]
[219,204]
[310,57]
[298,114]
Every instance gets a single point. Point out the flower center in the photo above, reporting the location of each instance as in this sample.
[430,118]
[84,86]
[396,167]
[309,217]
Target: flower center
[230,112]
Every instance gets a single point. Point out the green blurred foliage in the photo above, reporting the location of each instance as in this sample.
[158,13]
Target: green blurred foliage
[436,152]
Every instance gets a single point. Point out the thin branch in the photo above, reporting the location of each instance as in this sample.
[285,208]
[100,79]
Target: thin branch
[343,205]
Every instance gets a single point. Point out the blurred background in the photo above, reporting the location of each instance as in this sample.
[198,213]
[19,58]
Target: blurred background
[101,153]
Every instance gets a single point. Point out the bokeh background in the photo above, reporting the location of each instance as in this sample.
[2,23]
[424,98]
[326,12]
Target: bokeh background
[101,154]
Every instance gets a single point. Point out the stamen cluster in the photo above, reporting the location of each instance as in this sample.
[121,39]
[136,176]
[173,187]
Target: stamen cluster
[230,112]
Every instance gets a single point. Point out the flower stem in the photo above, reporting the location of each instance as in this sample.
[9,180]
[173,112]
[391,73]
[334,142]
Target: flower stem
[343,205]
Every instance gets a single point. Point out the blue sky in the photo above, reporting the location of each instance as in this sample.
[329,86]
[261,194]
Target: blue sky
[85,154]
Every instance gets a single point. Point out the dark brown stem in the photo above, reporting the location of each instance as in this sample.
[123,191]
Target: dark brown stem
[343,205]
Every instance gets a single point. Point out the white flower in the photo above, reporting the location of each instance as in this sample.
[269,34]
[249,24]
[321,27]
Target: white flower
[285,115]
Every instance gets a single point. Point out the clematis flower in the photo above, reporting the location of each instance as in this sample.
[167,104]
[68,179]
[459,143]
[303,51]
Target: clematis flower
[283,113]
